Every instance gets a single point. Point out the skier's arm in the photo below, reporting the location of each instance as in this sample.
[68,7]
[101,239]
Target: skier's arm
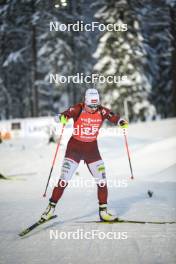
[72,112]
[114,118]
[110,116]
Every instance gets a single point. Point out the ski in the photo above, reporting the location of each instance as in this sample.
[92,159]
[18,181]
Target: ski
[36,224]
[121,221]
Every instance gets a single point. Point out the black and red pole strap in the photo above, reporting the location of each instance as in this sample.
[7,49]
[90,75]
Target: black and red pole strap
[58,145]
[128,153]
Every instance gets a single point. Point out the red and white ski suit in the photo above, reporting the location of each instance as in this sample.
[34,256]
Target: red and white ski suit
[83,146]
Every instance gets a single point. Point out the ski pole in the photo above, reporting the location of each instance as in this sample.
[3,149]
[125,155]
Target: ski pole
[58,145]
[128,153]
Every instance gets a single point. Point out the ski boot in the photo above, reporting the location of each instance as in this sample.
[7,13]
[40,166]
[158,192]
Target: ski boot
[49,212]
[104,215]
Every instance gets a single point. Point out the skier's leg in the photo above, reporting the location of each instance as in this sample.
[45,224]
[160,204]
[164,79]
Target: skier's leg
[97,170]
[68,168]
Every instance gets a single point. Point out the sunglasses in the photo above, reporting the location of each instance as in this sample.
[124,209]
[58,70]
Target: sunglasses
[93,106]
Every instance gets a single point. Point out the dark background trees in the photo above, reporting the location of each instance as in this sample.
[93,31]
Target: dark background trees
[146,53]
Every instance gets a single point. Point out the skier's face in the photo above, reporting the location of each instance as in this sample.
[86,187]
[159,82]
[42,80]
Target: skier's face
[91,108]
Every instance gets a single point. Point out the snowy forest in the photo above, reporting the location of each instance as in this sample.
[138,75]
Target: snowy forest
[145,53]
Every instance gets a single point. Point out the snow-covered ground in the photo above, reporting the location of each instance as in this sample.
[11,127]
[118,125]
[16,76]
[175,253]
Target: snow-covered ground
[27,162]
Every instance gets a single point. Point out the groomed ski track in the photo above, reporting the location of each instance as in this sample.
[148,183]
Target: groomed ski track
[153,152]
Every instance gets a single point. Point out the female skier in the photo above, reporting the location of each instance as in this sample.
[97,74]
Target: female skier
[88,118]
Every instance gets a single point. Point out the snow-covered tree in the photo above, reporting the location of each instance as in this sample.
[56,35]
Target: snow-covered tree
[145,53]
[155,20]
[172,5]
[63,52]
[13,65]
[30,52]
[122,53]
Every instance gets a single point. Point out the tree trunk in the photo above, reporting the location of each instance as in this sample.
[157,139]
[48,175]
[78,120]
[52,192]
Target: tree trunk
[34,91]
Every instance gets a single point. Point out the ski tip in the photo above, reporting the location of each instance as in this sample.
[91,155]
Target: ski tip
[44,195]
[36,224]
[23,233]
